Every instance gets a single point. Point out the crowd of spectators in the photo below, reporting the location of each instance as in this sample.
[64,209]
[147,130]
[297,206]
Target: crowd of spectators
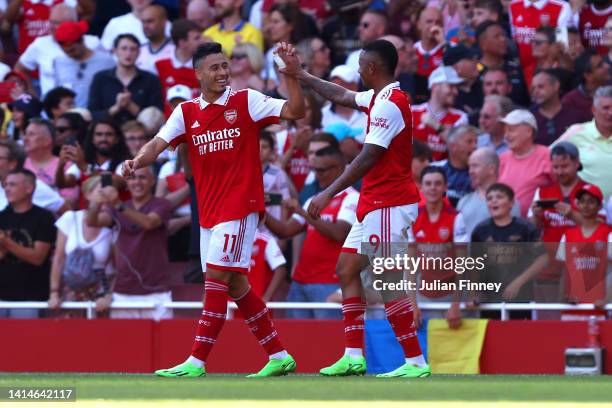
[512,127]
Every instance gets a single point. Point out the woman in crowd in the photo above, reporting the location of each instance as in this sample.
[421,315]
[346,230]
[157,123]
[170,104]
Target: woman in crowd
[314,55]
[247,63]
[87,248]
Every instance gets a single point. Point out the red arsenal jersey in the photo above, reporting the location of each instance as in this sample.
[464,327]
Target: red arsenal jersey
[526,16]
[389,183]
[591,26]
[34,21]
[298,167]
[223,143]
[265,258]
[171,72]
[319,254]
[435,141]
[435,239]
[586,259]
[428,60]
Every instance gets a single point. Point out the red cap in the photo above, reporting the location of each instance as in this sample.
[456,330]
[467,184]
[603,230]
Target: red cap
[593,190]
[71,31]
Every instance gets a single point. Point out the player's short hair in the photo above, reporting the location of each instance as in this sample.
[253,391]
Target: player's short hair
[494,6]
[126,36]
[549,32]
[268,137]
[28,174]
[205,50]
[54,97]
[433,170]
[181,28]
[503,188]
[386,52]
[421,150]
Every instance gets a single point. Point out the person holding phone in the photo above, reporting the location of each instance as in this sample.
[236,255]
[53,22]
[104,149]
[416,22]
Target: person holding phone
[554,210]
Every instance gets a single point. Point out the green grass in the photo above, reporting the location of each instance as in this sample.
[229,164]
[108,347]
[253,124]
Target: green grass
[310,390]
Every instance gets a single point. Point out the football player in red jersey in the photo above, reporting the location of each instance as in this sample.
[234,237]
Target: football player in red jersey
[387,204]
[221,129]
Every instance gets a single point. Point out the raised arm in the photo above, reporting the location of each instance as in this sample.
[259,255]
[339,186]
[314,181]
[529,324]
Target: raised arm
[294,108]
[335,93]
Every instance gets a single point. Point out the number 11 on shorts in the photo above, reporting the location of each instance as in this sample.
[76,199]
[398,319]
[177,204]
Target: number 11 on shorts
[226,244]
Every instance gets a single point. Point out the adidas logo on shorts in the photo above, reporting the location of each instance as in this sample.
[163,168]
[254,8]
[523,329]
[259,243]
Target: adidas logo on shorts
[225,259]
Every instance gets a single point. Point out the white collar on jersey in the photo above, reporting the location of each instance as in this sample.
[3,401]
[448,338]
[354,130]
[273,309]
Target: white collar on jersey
[221,101]
[540,4]
[176,64]
[387,88]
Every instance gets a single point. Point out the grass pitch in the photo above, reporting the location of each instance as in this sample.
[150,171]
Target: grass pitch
[301,391]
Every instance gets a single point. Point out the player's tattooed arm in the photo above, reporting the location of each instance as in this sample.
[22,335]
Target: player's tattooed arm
[335,93]
[369,156]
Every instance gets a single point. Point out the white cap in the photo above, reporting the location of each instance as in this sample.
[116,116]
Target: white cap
[520,116]
[345,73]
[444,75]
[179,91]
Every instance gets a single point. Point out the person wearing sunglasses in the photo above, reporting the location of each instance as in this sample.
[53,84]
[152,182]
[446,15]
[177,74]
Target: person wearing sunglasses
[247,63]
[75,70]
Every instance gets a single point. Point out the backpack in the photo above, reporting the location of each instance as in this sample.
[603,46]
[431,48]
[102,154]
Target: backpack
[79,272]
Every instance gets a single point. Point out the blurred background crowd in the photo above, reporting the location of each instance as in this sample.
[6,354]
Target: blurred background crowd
[512,126]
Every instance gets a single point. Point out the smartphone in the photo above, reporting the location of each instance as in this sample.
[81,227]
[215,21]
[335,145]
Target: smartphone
[107,179]
[546,204]
[71,141]
[273,199]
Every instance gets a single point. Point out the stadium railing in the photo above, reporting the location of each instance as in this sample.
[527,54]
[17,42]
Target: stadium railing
[503,308]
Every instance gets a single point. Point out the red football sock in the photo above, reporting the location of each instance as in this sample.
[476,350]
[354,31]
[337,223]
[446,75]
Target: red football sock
[399,314]
[353,310]
[212,319]
[257,316]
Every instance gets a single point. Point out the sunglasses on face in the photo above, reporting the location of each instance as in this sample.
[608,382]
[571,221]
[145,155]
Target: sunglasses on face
[320,170]
[238,56]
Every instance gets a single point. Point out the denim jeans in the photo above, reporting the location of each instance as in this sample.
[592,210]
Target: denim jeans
[312,292]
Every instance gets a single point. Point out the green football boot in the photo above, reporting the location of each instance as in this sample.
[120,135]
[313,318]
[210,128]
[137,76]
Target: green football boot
[185,369]
[408,371]
[346,366]
[276,367]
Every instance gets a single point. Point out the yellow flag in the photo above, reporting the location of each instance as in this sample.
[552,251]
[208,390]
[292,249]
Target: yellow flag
[455,351]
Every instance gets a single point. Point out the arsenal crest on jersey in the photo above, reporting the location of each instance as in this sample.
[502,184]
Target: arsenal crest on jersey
[231,116]
[444,233]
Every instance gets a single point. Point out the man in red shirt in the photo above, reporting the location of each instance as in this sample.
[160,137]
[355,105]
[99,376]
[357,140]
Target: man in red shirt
[32,17]
[432,119]
[586,250]
[591,22]
[430,47]
[554,211]
[387,204]
[314,278]
[221,129]
[526,16]
[267,270]
[178,69]
[435,232]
